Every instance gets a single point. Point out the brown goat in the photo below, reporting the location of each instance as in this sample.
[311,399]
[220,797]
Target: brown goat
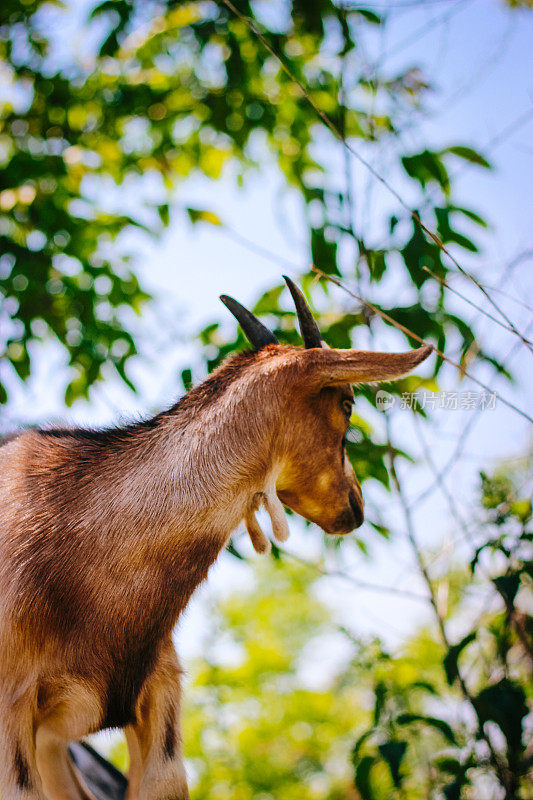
[104,536]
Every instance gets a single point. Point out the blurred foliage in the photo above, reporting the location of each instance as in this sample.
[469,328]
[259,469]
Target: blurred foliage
[175,89]
[486,748]
[268,717]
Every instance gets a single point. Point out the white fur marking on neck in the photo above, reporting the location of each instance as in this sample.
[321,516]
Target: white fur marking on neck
[259,540]
[280,528]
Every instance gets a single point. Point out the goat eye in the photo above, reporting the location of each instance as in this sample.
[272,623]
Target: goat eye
[347,406]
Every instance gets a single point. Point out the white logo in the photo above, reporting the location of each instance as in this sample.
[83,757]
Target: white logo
[384,400]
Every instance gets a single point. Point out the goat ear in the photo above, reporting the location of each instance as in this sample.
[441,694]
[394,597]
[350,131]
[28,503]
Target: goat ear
[334,367]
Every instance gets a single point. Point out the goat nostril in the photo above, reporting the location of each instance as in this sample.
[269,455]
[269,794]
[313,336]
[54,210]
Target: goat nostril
[357,510]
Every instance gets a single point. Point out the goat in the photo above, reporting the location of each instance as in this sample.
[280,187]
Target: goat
[104,536]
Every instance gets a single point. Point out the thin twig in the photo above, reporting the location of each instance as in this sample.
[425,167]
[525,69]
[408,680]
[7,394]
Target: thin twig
[462,438]
[339,135]
[411,535]
[348,197]
[361,584]
[461,444]
[419,339]
[496,140]
[265,253]
[420,32]
[259,250]
[510,297]
[273,257]
[474,305]
[439,477]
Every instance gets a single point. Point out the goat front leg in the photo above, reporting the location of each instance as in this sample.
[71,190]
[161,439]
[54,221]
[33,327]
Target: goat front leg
[19,779]
[72,714]
[156,762]
[34,764]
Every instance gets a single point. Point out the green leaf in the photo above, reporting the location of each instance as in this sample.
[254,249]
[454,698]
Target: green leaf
[450,662]
[164,213]
[521,509]
[102,8]
[381,529]
[362,778]
[434,722]
[362,545]
[428,687]
[370,16]
[380,693]
[377,264]
[498,366]
[121,369]
[472,215]
[453,791]
[505,704]
[232,550]
[203,215]
[468,154]
[450,765]
[359,742]
[275,552]
[393,753]
[508,586]
[462,241]
[324,252]
[269,302]
[186,378]
[427,167]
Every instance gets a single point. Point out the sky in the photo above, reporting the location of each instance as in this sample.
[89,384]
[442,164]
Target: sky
[479,56]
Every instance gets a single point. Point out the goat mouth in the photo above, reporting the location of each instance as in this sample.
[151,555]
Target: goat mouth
[349,519]
[357,510]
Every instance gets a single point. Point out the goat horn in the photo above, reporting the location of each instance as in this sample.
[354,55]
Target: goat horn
[308,327]
[257,333]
